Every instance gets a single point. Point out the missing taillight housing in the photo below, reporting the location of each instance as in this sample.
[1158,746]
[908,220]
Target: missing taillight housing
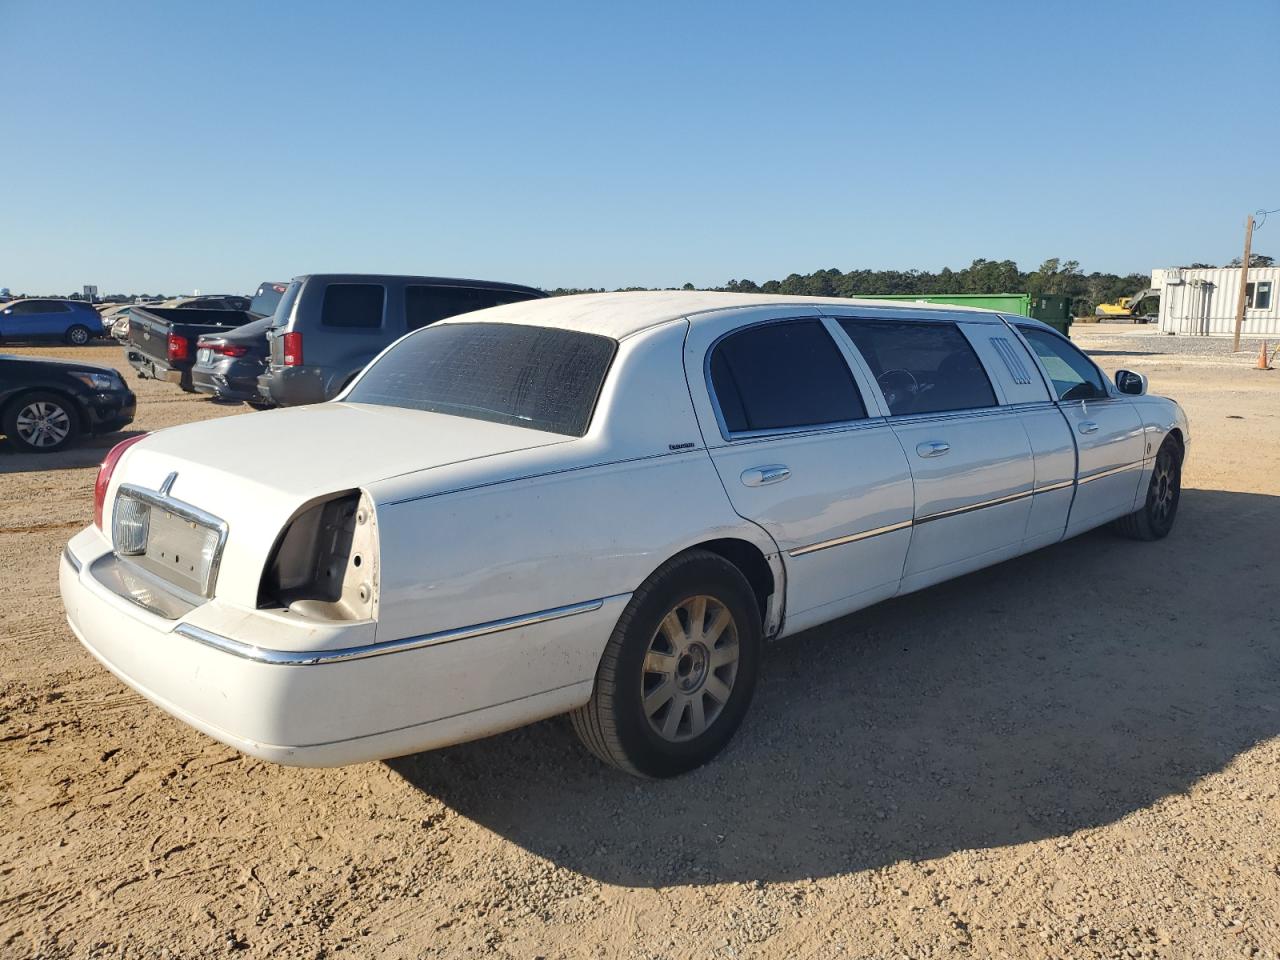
[325,563]
[292,349]
[105,471]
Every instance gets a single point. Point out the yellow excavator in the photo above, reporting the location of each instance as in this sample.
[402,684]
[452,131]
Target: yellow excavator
[1125,308]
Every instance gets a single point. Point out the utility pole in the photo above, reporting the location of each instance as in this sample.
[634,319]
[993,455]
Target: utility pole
[1244,279]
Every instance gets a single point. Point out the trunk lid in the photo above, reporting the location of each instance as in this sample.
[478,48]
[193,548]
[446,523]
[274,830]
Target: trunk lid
[308,451]
[254,472]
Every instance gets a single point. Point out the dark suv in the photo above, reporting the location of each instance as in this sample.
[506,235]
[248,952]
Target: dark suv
[329,325]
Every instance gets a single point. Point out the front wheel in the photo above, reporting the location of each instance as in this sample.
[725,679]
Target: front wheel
[1154,519]
[78,336]
[679,670]
[40,422]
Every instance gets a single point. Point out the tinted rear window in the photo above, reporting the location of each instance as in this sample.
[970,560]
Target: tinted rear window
[284,309]
[267,298]
[352,305]
[535,377]
[783,375]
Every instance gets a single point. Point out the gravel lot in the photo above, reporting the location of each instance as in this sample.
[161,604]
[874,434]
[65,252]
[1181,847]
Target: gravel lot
[1076,753]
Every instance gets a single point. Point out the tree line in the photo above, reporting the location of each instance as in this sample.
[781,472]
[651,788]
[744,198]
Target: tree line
[1054,276]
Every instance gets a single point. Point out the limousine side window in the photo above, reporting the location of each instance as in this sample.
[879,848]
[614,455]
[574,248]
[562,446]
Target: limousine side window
[780,376]
[1074,376]
[922,367]
[353,305]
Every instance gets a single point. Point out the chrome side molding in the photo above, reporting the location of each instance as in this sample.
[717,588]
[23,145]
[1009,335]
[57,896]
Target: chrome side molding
[1112,472]
[943,514]
[851,538]
[304,658]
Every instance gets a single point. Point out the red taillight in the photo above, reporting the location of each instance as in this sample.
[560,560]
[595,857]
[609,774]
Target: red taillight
[293,349]
[104,475]
[179,349]
[223,349]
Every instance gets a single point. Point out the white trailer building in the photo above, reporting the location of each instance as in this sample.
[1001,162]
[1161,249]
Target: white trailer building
[1203,302]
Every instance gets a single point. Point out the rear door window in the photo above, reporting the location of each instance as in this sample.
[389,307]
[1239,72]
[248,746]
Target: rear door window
[353,305]
[1073,374]
[922,367]
[781,376]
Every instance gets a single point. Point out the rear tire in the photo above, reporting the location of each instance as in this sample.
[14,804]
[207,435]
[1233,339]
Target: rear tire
[1154,519]
[678,673]
[41,422]
[78,335]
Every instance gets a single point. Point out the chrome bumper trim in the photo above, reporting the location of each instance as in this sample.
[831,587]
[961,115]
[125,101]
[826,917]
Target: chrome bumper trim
[71,558]
[304,658]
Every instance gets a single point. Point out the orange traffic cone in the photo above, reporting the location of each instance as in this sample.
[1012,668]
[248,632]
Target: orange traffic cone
[1263,363]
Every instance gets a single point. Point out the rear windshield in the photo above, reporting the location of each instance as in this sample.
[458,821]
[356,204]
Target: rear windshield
[280,316]
[267,298]
[535,377]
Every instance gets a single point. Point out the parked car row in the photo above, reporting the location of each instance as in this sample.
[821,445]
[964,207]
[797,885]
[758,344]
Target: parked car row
[67,321]
[162,340]
[301,342]
[46,404]
[233,349]
[598,505]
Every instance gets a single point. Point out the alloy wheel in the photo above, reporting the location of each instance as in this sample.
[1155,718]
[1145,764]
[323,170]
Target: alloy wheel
[690,668]
[1164,487]
[43,424]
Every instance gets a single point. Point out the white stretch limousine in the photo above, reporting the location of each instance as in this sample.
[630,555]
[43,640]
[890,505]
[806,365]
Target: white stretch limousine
[599,504]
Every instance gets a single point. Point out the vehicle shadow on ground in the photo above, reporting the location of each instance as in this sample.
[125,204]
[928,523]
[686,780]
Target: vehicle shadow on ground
[85,452]
[1057,692]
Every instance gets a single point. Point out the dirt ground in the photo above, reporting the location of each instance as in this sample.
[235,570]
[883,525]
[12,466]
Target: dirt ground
[1076,753]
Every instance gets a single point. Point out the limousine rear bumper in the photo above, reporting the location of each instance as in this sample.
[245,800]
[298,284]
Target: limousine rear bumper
[340,709]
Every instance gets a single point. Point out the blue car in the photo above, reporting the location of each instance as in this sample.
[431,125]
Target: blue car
[71,321]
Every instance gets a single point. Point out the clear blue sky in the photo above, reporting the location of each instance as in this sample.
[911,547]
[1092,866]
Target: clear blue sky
[173,146]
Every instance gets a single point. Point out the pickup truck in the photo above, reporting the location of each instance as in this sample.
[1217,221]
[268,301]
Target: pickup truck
[162,340]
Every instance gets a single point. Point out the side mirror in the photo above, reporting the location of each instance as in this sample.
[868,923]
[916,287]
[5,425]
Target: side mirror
[1132,383]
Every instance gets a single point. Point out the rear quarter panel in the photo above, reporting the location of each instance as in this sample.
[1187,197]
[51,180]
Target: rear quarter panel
[591,518]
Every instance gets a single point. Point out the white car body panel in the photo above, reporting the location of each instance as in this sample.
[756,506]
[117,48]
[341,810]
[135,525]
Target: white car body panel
[506,555]
[845,481]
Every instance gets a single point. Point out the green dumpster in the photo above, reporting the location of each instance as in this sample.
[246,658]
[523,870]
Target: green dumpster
[1010,303]
[1053,309]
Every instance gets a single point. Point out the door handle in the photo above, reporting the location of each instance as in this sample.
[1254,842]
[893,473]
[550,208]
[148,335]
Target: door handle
[760,476]
[1088,426]
[932,448]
